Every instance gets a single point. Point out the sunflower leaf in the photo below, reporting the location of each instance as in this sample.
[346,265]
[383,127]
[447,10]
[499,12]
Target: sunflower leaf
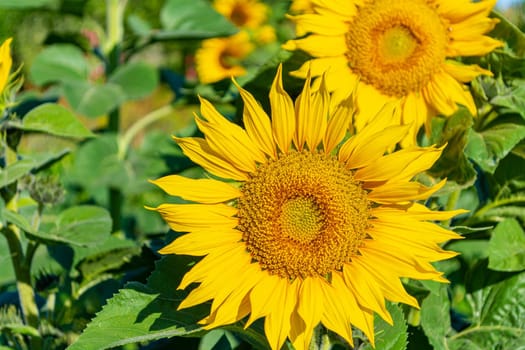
[453,164]
[489,146]
[390,337]
[198,21]
[55,120]
[507,247]
[136,79]
[144,312]
[497,320]
[59,63]
[435,318]
[83,225]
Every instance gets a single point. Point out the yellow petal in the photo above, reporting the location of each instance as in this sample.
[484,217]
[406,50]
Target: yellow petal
[400,165]
[342,310]
[319,45]
[236,305]
[401,264]
[278,322]
[363,149]
[456,11]
[367,293]
[192,217]
[388,282]
[208,270]
[318,66]
[410,228]
[257,123]
[5,62]
[313,23]
[262,297]
[311,110]
[471,28]
[457,92]
[283,114]
[201,242]
[198,150]
[311,304]
[237,149]
[415,114]
[397,192]
[338,124]
[464,73]
[478,47]
[198,190]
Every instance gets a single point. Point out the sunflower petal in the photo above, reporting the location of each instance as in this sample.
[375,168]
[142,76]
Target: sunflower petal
[257,122]
[198,190]
[283,114]
[191,217]
[198,150]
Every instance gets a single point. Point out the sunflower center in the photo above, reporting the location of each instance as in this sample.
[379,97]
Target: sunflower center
[239,15]
[301,219]
[396,46]
[303,215]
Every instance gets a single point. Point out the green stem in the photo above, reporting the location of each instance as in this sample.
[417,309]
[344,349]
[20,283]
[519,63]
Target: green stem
[115,31]
[114,20]
[21,265]
[142,123]
[451,205]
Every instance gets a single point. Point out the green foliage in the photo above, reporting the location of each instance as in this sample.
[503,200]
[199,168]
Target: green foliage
[198,21]
[105,88]
[507,246]
[390,337]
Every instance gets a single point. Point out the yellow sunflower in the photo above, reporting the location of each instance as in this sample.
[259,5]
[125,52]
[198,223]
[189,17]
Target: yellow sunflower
[220,58]
[311,227]
[243,13]
[5,63]
[397,50]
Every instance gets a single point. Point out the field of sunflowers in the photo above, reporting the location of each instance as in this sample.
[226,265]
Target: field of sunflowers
[262,174]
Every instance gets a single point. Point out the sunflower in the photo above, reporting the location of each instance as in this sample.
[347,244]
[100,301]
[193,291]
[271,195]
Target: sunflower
[220,58]
[397,50]
[5,63]
[242,13]
[309,227]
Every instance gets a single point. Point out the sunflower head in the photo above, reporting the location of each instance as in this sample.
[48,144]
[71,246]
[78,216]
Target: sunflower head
[398,50]
[243,13]
[310,224]
[221,58]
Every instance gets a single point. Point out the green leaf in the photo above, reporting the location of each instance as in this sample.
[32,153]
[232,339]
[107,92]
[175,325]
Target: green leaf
[105,168]
[390,337]
[197,21]
[510,33]
[435,318]
[55,120]
[144,312]
[507,246]
[497,315]
[93,100]
[18,220]
[149,312]
[15,171]
[454,132]
[81,225]
[136,79]
[491,145]
[26,4]
[59,63]
[7,274]
[513,101]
